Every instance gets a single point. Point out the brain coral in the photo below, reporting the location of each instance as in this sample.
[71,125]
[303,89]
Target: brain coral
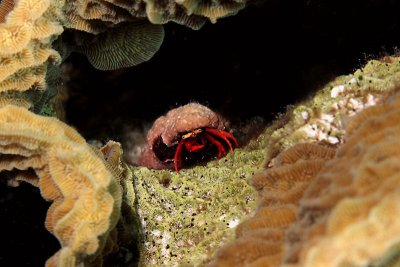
[27,30]
[35,37]
[118,33]
[260,239]
[355,199]
[85,194]
[93,15]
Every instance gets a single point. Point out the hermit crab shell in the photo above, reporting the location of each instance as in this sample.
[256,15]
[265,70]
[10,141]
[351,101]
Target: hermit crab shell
[181,120]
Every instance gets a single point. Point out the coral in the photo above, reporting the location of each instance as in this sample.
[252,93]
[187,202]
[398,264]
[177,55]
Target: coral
[260,239]
[125,46]
[118,33]
[35,37]
[183,11]
[306,179]
[167,130]
[354,201]
[5,7]
[93,16]
[109,36]
[27,30]
[125,237]
[85,194]
[184,217]
[324,116]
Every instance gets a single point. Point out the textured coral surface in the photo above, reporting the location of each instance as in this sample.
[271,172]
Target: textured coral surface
[355,199]
[261,239]
[49,154]
[320,206]
[27,31]
[86,197]
[185,217]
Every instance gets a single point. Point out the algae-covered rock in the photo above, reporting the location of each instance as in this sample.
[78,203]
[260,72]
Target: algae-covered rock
[323,116]
[186,216]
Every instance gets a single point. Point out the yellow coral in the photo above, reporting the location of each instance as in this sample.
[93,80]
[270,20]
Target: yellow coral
[361,185]
[260,239]
[27,30]
[5,7]
[85,193]
[94,16]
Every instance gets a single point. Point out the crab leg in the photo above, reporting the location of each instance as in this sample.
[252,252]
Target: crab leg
[192,145]
[224,135]
[177,156]
[221,149]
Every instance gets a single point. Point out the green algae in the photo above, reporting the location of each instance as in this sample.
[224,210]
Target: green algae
[186,216]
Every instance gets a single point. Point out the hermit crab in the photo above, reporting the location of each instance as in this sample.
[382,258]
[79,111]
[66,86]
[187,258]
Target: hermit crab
[187,135]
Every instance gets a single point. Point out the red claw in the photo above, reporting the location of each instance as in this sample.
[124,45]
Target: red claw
[195,141]
[224,135]
[221,149]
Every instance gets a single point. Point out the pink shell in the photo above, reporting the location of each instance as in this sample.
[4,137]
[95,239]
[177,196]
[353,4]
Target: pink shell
[181,120]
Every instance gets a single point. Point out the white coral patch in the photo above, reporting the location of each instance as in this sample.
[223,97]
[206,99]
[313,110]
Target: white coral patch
[233,223]
[337,90]
[305,115]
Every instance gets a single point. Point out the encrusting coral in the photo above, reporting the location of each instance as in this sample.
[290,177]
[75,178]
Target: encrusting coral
[86,195]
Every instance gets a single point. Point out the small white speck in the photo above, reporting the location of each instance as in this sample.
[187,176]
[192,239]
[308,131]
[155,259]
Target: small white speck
[233,223]
[305,115]
[337,90]
[310,131]
[156,233]
[353,80]
[371,100]
[353,103]
[327,117]
[333,139]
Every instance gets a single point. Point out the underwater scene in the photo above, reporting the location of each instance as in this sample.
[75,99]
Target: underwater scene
[209,133]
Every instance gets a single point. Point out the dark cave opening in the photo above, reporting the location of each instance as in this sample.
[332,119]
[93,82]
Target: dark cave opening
[266,49]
